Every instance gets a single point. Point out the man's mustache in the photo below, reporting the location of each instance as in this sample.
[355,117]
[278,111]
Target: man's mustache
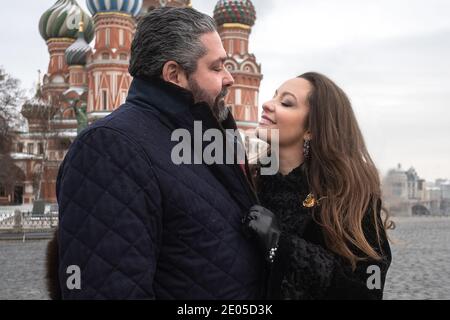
[223,93]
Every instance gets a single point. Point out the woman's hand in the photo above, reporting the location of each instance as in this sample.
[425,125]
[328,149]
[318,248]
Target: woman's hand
[263,224]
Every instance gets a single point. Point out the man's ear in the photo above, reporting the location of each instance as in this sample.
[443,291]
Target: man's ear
[174,73]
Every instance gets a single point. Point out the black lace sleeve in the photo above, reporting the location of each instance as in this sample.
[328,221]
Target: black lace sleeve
[304,270]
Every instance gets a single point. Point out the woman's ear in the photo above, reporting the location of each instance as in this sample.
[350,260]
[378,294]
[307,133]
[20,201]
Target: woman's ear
[174,73]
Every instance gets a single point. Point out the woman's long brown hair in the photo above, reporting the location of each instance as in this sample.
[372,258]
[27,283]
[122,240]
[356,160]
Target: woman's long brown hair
[341,172]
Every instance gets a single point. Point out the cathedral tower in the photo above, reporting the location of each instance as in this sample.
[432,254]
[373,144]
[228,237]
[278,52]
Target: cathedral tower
[109,80]
[235,20]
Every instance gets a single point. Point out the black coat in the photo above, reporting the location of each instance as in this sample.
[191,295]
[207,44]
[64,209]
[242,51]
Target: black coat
[140,226]
[304,268]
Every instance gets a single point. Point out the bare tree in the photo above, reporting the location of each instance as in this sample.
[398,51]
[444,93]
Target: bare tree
[11,97]
[42,113]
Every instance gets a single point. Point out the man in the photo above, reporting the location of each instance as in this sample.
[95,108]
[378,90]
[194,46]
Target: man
[134,225]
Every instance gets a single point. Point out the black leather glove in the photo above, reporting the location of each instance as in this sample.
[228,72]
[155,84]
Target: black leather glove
[263,224]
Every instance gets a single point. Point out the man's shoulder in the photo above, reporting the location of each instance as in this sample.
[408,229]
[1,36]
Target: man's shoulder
[125,130]
[128,121]
[129,118]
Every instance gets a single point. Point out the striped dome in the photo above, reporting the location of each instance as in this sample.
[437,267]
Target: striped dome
[76,54]
[62,20]
[235,11]
[126,6]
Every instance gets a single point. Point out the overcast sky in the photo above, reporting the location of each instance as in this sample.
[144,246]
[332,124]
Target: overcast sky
[392,57]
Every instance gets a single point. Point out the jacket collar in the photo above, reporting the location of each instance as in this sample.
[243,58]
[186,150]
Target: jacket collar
[161,95]
[171,103]
[174,102]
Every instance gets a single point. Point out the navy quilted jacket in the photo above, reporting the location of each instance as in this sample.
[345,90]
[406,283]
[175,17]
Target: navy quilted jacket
[139,226]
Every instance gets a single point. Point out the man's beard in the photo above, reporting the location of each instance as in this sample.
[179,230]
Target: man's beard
[217,104]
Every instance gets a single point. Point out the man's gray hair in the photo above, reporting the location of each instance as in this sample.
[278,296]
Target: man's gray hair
[169,34]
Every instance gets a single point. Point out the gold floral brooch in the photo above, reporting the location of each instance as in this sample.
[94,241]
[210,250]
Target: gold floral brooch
[311,201]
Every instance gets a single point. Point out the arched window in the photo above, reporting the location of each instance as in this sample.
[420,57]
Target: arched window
[104,99]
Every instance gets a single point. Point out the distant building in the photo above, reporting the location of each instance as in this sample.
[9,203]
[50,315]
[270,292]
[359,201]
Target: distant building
[416,186]
[444,186]
[395,192]
[445,197]
[406,194]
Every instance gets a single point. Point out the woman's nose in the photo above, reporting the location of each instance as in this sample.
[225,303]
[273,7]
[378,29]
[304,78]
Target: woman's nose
[268,106]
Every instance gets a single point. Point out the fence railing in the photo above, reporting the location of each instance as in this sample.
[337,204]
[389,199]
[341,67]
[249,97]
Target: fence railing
[18,221]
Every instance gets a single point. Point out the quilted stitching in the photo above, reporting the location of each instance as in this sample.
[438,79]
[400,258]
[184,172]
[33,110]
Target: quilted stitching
[84,218]
[132,220]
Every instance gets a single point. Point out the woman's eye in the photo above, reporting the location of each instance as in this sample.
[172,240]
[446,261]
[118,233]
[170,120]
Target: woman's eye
[286,104]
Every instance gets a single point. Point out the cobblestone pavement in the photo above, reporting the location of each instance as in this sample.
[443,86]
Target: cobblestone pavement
[22,269]
[421,259]
[420,268]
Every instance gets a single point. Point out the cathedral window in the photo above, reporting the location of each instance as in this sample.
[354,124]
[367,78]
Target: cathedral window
[104,100]
[40,148]
[238,98]
[107,37]
[30,148]
[121,38]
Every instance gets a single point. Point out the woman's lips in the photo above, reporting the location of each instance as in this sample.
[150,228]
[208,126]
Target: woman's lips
[266,121]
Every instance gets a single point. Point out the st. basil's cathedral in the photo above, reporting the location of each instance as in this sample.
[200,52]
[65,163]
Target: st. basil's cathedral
[85,82]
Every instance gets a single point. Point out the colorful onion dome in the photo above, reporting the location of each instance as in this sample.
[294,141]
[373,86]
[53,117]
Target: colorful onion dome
[125,6]
[77,53]
[235,11]
[62,20]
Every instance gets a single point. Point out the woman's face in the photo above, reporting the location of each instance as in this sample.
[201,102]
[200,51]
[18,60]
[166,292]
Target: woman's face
[288,112]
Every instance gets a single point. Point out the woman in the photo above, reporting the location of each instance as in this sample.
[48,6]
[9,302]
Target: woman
[325,238]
